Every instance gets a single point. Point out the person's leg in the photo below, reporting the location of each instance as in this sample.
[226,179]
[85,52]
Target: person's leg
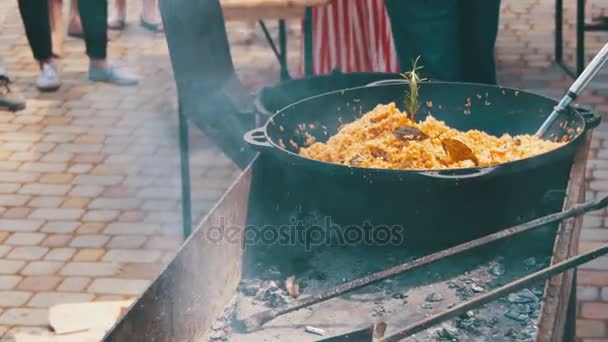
[8,102]
[150,16]
[56,20]
[35,16]
[74,26]
[94,17]
[118,20]
[479,30]
[429,29]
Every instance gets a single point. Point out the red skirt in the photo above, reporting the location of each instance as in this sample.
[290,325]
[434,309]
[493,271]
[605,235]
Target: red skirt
[352,35]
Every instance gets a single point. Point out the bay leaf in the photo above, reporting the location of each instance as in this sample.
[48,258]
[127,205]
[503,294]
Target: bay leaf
[408,133]
[458,151]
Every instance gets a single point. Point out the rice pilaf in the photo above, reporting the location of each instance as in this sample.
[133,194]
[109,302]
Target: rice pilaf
[372,142]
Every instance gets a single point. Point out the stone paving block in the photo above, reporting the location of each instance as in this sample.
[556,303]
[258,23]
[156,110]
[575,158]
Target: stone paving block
[75,203]
[89,158]
[60,254]
[132,229]
[13,200]
[118,286]
[592,221]
[90,241]
[8,282]
[48,299]
[80,168]
[128,241]
[91,228]
[46,202]
[59,137]
[100,215]
[39,283]
[45,189]
[56,178]
[26,156]
[114,203]
[25,239]
[587,293]
[11,266]
[42,268]
[57,214]
[60,227]
[586,246]
[6,165]
[56,157]
[57,240]
[594,310]
[22,316]
[590,328]
[97,180]
[141,271]
[17,213]
[86,191]
[89,254]
[7,188]
[74,284]
[594,234]
[13,298]
[132,255]
[90,269]
[43,167]
[132,216]
[78,148]
[27,253]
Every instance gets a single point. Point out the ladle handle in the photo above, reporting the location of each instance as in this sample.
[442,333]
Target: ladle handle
[579,84]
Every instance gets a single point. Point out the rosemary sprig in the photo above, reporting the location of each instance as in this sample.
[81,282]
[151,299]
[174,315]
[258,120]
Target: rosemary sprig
[412,104]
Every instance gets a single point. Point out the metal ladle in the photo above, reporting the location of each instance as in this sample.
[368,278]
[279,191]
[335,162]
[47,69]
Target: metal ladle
[579,84]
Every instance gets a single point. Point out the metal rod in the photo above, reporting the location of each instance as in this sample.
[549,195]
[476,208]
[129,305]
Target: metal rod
[270,40]
[308,60]
[256,320]
[579,84]
[580,36]
[283,47]
[559,32]
[184,154]
[497,293]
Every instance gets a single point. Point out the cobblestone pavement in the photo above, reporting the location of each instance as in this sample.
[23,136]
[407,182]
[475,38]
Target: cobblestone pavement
[89,182]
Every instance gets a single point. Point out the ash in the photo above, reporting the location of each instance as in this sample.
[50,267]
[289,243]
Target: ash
[400,301]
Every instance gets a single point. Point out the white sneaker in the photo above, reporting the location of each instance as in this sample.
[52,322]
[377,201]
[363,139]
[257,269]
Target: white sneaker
[48,79]
[114,73]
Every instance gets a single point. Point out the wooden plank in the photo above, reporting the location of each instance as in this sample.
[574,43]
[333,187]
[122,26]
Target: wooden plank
[558,289]
[244,10]
[181,304]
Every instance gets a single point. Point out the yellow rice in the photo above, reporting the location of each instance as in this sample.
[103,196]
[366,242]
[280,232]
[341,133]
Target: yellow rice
[370,142]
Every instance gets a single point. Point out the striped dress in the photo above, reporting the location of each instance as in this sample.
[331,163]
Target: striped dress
[352,35]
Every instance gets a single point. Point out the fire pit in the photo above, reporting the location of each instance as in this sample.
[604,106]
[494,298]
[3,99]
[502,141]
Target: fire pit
[214,279]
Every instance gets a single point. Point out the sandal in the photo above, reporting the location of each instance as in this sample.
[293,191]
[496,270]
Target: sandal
[79,35]
[117,24]
[151,27]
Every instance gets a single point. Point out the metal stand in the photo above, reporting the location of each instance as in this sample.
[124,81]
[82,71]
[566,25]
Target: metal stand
[184,155]
[281,51]
[308,61]
[581,28]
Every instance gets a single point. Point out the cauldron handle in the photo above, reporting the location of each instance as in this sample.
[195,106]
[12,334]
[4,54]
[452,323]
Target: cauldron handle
[256,138]
[592,118]
[386,82]
[474,174]
[397,81]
